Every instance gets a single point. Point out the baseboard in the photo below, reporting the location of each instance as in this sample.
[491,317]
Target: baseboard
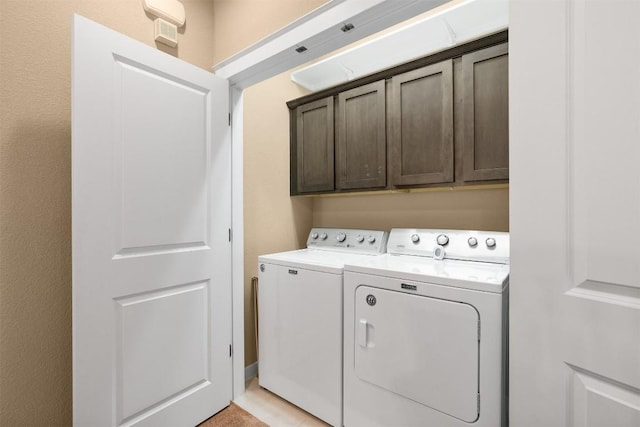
[250,371]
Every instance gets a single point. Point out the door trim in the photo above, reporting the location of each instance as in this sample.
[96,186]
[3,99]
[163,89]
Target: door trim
[237,241]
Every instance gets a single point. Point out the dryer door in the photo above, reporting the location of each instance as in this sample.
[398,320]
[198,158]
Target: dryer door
[421,348]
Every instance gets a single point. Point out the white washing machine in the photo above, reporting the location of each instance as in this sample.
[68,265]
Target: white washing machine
[300,318]
[425,337]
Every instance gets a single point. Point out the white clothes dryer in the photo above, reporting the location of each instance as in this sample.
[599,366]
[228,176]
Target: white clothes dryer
[425,337]
[300,318]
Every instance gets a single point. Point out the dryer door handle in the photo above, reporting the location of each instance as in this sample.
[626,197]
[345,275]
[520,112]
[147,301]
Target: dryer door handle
[362,333]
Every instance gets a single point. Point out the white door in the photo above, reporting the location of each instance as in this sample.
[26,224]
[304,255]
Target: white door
[575,213]
[151,250]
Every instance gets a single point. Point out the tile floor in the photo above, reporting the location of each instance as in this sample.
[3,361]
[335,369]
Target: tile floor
[274,410]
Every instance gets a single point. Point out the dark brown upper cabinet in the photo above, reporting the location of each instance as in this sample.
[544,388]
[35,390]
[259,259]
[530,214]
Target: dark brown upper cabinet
[314,156]
[485,75]
[421,125]
[442,120]
[361,137]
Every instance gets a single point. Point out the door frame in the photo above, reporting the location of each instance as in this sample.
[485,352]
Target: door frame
[269,57]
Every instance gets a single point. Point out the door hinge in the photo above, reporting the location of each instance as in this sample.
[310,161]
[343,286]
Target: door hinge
[478,403]
[229,119]
[231,352]
[229,234]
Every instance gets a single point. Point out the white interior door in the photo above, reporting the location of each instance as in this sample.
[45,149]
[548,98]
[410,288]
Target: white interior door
[151,250]
[575,213]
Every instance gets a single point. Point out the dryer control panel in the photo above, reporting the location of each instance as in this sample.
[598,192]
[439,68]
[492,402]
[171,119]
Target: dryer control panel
[468,245]
[348,240]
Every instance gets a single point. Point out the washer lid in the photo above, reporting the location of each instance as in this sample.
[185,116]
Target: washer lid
[312,259]
[479,276]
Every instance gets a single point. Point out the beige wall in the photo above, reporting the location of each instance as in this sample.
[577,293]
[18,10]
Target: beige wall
[35,188]
[477,209]
[240,23]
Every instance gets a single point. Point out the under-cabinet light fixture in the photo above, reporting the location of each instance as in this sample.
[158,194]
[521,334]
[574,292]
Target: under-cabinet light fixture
[457,23]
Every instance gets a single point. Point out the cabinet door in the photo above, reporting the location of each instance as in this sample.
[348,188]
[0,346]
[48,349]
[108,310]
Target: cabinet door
[486,114]
[314,146]
[361,140]
[421,125]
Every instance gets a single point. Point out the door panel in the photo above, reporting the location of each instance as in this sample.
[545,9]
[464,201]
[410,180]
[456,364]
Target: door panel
[157,361]
[578,364]
[161,164]
[151,256]
[432,345]
[597,402]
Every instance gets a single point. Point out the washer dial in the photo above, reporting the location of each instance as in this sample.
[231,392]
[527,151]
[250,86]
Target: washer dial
[442,239]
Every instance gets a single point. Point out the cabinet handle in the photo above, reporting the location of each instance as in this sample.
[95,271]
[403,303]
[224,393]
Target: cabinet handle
[293,271]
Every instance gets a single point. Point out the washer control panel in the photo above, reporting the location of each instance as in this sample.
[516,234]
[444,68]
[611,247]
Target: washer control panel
[348,240]
[470,245]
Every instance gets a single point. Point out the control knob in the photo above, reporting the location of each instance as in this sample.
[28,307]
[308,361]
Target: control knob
[323,236]
[491,242]
[442,239]
[341,237]
[360,238]
[473,242]
[371,239]
[314,235]
[415,238]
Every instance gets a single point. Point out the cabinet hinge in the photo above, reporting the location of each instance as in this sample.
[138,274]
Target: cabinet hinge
[229,234]
[231,352]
